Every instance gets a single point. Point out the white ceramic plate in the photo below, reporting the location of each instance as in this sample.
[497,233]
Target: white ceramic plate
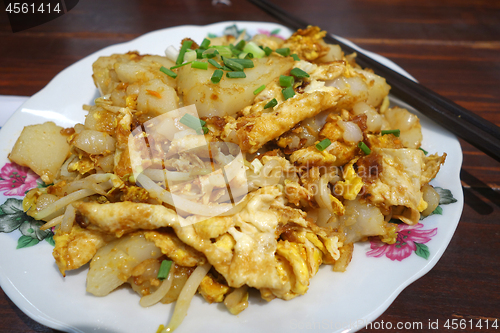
[335,302]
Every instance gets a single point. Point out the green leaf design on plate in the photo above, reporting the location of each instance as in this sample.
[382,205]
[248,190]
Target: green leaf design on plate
[26,241]
[422,250]
[12,215]
[446,197]
[12,206]
[438,210]
[32,229]
[50,240]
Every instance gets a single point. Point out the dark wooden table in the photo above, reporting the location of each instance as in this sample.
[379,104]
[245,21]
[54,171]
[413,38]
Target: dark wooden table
[451,46]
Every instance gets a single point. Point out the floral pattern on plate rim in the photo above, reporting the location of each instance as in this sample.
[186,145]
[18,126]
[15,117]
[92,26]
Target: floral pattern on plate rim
[410,238]
[15,181]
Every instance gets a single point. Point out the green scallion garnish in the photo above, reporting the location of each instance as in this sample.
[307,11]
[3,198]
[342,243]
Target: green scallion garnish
[214,63]
[199,53]
[275,32]
[168,72]
[295,57]
[227,69]
[425,151]
[177,66]
[271,104]
[231,63]
[241,45]
[299,73]
[285,52]
[323,144]
[235,51]
[205,44]
[395,132]
[245,55]
[236,75]
[268,50]
[246,63]
[259,89]
[288,93]
[209,54]
[286,81]
[164,269]
[223,50]
[185,46]
[364,148]
[211,35]
[217,76]
[254,49]
[199,65]
[192,121]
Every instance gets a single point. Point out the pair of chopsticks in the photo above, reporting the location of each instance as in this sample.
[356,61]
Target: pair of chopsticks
[479,132]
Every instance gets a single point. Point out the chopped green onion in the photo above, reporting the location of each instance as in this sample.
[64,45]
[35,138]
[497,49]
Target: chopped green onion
[246,63]
[223,50]
[164,269]
[245,55]
[323,144]
[168,72]
[288,93]
[177,66]
[192,121]
[271,104]
[227,69]
[275,32]
[205,43]
[231,63]
[425,151]
[235,51]
[217,76]
[285,52]
[199,65]
[295,57]
[205,130]
[395,132]
[268,50]
[210,53]
[259,89]
[299,73]
[254,49]
[236,75]
[211,35]
[190,55]
[240,45]
[364,148]
[185,46]
[214,63]
[286,81]
[199,53]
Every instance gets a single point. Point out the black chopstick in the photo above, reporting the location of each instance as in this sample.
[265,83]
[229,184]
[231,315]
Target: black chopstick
[479,132]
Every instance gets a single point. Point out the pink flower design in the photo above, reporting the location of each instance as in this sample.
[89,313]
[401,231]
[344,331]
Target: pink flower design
[409,239]
[269,33]
[16,180]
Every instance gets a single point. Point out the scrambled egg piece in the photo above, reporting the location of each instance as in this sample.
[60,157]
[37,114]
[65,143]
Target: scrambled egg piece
[78,247]
[352,183]
[212,290]
[397,181]
[173,248]
[308,43]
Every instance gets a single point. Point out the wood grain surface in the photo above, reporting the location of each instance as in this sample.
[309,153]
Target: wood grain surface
[451,46]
